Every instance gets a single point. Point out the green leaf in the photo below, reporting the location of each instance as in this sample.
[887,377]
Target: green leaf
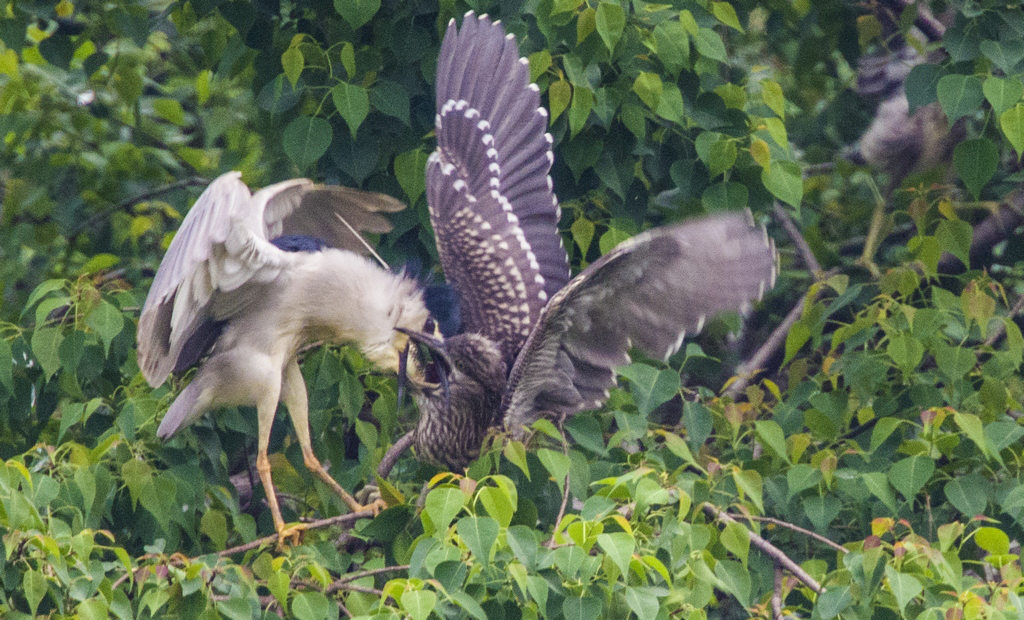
[735,580]
[391,98]
[992,540]
[1012,124]
[651,387]
[34,587]
[7,366]
[710,45]
[878,485]
[921,83]
[959,95]
[643,603]
[673,46]
[348,58]
[556,463]
[467,602]
[749,483]
[973,427]
[975,161]
[498,503]
[442,505]
[648,87]
[903,586]
[967,494]
[170,110]
[293,62]
[357,12]
[832,602]
[725,196]
[579,110]
[46,343]
[801,476]
[726,14]
[736,539]
[771,92]
[610,21]
[409,167]
[1002,93]
[479,534]
[577,608]
[306,139]
[1005,53]
[772,435]
[107,321]
[883,429]
[353,103]
[905,351]
[523,543]
[419,603]
[785,181]
[582,233]
[910,475]
[619,547]
[215,525]
[559,95]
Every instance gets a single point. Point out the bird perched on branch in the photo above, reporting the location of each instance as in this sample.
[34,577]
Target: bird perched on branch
[251,278]
[537,344]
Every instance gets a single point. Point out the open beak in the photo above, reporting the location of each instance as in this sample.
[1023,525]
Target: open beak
[439,361]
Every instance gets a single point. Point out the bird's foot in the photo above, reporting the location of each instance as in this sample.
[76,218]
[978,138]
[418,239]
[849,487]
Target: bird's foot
[369,498]
[289,534]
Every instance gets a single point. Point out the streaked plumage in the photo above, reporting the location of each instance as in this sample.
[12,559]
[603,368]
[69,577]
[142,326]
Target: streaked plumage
[537,344]
[228,299]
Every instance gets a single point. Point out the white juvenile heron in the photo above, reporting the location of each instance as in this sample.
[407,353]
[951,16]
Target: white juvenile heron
[537,344]
[250,279]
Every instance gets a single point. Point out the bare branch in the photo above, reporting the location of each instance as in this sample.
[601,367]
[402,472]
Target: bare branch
[394,452]
[768,549]
[795,528]
[345,519]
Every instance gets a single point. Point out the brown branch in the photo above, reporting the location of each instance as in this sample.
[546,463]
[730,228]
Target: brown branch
[561,511]
[365,573]
[777,594]
[795,528]
[768,549]
[345,519]
[798,239]
[988,233]
[394,452]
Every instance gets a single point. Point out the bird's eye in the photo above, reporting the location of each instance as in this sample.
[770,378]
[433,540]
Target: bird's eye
[429,325]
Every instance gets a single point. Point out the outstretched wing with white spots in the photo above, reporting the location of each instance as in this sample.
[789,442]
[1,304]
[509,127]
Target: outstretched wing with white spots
[494,214]
[647,292]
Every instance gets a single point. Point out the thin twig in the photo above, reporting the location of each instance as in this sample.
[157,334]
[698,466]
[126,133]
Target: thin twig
[795,528]
[1000,329]
[345,519]
[747,369]
[777,594]
[365,573]
[195,181]
[394,452]
[768,549]
[810,261]
[561,511]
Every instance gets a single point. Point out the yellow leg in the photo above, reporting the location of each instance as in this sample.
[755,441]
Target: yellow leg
[265,410]
[294,397]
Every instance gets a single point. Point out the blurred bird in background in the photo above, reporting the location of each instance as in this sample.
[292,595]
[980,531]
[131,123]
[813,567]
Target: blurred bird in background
[252,278]
[900,142]
[535,343]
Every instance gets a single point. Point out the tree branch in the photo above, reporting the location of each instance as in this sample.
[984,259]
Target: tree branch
[394,452]
[345,519]
[795,528]
[768,549]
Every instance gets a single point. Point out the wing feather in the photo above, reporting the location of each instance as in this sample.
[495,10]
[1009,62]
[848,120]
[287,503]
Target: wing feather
[491,203]
[221,257]
[647,293]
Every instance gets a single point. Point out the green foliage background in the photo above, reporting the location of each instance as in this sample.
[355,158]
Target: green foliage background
[889,425]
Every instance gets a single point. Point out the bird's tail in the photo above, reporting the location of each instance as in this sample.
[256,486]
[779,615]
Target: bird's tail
[183,411]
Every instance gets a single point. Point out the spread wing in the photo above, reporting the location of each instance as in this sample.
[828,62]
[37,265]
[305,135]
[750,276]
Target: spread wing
[494,214]
[647,292]
[221,257]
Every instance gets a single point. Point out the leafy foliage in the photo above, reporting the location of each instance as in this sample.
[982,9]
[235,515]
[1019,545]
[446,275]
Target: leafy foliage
[881,450]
